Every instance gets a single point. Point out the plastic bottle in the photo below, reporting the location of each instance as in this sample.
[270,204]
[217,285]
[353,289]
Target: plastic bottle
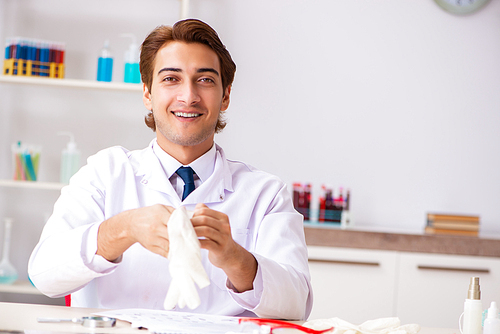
[8,274]
[131,59]
[105,64]
[70,159]
[473,309]
[492,321]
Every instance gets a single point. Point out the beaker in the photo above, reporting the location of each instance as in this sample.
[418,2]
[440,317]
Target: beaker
[8,274]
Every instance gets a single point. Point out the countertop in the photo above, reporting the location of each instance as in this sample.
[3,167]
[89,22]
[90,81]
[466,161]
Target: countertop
[21,318]
[357,237]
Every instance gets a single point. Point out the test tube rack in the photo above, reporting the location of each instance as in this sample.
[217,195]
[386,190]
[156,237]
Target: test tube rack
[34,58]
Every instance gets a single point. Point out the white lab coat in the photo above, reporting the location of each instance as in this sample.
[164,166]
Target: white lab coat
[262,220]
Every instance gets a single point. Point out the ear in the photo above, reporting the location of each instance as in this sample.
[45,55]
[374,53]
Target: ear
[146,97]
[225,99]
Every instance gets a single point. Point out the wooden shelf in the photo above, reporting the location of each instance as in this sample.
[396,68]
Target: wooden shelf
[32,184]
[72,83]
[24,287]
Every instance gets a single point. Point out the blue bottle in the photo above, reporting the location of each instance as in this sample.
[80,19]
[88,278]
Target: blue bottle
[105,64]
[131,60]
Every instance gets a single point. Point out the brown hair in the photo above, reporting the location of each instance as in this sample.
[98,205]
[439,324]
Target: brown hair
[188,31]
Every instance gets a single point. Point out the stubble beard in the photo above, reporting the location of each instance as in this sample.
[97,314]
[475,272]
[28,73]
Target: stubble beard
[182,139]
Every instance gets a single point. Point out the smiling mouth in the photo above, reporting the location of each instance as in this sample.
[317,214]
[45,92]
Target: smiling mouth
[186,114]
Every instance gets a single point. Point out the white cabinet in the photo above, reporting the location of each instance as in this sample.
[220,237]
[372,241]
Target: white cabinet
[427,289]
[432,288]
[352,284]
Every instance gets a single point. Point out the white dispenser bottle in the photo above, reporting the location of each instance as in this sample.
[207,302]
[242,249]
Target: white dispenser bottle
[70,159]
[105,64]
[492,321]
[473,309]
[131,72]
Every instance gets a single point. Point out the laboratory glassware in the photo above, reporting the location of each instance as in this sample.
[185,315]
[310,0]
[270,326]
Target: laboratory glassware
[8,274]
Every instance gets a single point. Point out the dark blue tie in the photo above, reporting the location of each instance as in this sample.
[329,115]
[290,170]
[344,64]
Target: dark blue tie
[186,174]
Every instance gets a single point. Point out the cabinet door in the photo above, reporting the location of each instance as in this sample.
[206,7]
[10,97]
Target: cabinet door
[432,288]
[352,284]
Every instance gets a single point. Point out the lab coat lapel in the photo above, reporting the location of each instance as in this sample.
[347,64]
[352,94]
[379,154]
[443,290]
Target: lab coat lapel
[214,189]
[153,175]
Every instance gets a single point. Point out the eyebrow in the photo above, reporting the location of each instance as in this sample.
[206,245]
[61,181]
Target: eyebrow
[200,70]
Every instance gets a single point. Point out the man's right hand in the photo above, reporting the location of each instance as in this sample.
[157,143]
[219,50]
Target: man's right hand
[146,225]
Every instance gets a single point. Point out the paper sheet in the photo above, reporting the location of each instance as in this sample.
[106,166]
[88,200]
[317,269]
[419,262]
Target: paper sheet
[158,321]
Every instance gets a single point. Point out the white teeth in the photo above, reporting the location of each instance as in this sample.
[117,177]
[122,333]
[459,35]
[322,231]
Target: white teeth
[185,114]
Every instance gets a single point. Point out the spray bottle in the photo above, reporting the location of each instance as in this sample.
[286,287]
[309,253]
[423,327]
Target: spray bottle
[492,322]
[473,309]
[132,55]
[105,64]
[70,158]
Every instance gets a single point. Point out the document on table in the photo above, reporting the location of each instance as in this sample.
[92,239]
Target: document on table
[170,322]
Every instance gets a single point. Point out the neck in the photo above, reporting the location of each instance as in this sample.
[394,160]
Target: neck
[185,154]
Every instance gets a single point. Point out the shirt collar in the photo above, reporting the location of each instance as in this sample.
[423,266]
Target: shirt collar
[203,166]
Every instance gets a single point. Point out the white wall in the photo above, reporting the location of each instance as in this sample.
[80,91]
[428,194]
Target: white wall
[395,99]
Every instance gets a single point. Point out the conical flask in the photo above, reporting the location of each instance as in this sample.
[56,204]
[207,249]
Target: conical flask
[8,274]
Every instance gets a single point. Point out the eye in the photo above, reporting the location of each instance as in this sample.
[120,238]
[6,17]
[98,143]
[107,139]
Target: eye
[207,80]
[170,79]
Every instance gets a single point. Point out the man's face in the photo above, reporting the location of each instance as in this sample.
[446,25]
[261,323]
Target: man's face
[186,95]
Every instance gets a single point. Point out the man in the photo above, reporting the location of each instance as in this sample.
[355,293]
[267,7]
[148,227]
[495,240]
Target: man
[107,242]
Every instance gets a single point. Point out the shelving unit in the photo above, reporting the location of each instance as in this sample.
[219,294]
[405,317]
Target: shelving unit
[31,184]
[18,105]
[23,289]
[71,83]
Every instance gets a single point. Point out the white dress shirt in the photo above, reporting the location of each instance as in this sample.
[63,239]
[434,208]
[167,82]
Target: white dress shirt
[260,212]
[203,167]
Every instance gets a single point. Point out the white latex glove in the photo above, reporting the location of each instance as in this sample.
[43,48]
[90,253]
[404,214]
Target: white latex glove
[185,262]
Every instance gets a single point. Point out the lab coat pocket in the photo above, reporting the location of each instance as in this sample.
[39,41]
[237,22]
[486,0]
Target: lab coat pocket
[240,235]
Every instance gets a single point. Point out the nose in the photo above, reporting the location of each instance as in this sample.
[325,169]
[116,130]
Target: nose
[188,94]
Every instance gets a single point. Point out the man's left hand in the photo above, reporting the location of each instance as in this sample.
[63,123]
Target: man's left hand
[214,230]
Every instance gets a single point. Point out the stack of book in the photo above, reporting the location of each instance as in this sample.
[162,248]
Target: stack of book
[452,224]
